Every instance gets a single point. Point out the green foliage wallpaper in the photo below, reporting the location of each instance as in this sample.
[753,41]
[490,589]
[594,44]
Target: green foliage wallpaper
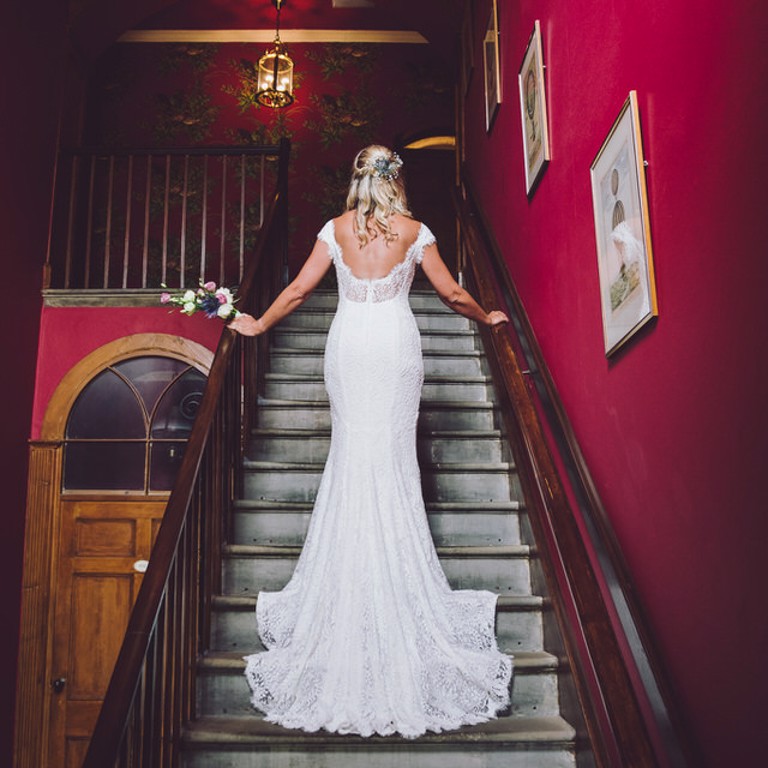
[179,95]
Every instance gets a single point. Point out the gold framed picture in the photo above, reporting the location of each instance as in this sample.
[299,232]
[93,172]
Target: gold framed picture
[533,110]
[622,230]
[491,66]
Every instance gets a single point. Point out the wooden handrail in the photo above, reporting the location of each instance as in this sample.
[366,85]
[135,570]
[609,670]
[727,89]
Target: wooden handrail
[558,488]
[151,692]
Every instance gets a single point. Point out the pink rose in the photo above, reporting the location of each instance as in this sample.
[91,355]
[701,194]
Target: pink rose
[210,286]
[165,298]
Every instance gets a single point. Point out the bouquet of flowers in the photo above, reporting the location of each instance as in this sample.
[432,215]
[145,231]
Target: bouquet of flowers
[208,298]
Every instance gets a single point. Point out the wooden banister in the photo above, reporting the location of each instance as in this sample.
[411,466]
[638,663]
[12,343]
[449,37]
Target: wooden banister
[132,218]
[627,708]
[152,690]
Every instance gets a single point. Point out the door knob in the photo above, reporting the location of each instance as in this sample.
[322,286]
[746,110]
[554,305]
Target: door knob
[58,684]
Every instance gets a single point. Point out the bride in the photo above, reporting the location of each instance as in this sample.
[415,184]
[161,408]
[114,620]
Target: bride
[368,637]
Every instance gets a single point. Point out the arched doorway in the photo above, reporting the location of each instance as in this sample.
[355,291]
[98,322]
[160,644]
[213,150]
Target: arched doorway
[113,433]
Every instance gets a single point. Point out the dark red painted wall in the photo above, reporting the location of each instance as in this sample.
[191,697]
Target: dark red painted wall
[674,426]
[30,60]
[68,334]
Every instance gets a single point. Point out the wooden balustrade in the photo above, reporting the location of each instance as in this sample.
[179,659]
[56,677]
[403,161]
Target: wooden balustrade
[627,708]
[152,690]
[135,218]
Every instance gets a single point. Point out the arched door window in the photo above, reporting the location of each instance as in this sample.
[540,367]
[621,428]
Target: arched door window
[128,428]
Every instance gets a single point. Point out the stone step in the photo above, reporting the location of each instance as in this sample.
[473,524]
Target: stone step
[440,482]
[419,299]
[518,623]
[285,524]
[289,386]
[248,569]
[251,742]
[294,414]
[436,363]
[313,338]
[426,319]
[311,445]
[223,689]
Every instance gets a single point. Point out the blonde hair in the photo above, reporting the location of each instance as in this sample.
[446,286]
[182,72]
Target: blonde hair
[376,191]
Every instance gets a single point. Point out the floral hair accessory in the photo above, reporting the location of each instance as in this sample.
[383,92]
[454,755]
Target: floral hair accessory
[386,167]
[213,301]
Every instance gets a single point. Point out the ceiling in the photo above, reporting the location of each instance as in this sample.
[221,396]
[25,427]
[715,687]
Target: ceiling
[96,24]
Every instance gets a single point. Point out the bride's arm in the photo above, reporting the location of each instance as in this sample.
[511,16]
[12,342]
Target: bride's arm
[291,297]
[452,294]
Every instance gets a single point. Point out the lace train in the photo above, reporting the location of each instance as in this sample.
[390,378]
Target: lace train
[368,637]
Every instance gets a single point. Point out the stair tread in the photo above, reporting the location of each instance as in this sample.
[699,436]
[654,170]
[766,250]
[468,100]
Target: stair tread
[290,330]
[480,405]
[525,661]
[307,466]
[453,434]
[437,309]
[432,506]
[273,550]
[451,378]
[315,352]
[253,730]
[504,603]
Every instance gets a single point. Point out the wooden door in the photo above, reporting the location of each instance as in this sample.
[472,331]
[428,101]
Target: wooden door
[99,572]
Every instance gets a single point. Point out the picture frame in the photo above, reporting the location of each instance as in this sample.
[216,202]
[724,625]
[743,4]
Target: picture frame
[491,66]
[533,110]
[622,230]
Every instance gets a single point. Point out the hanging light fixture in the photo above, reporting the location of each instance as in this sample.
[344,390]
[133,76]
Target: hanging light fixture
[275,79]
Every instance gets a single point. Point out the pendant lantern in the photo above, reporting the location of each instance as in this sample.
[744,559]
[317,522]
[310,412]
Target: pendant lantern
[275,76]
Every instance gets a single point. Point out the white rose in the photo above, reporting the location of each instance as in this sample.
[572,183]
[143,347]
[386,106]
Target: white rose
[189,307]
[225,310]
[188,297]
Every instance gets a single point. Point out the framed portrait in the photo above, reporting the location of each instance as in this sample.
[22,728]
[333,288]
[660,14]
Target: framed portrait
[533,110]
[622,230]
[491,66]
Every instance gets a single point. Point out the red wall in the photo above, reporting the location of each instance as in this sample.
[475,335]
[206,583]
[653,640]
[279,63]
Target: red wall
[68,334]
[674,426]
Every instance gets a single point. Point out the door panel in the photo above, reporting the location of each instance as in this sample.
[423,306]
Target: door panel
[97,584]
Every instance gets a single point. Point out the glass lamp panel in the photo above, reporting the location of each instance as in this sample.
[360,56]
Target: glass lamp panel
[275,79]
[164,462]
[104,466]
[151,375]
[107,408]
[177,408]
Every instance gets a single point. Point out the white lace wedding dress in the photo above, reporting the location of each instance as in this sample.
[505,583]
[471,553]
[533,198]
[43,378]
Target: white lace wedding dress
[368,637]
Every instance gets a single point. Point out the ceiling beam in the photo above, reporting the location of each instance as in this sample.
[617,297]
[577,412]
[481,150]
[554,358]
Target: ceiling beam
[268,35]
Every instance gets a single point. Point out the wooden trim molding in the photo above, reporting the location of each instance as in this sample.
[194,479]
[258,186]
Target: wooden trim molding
[268,36]
[33,691]
[70,386]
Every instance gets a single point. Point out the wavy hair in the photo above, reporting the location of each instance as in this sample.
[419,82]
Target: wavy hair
[376,191]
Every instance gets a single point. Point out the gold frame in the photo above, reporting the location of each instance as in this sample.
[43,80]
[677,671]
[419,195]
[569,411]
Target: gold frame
[533,110]
[622,230]
[491,66]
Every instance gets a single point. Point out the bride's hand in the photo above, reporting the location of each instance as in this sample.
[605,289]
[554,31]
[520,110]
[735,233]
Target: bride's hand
[246,324]
[496,317]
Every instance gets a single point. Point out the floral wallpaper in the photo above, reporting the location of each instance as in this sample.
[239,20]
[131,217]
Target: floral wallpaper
[347,96]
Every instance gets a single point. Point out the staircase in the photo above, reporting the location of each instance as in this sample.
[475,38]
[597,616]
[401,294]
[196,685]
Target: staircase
[473,502]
